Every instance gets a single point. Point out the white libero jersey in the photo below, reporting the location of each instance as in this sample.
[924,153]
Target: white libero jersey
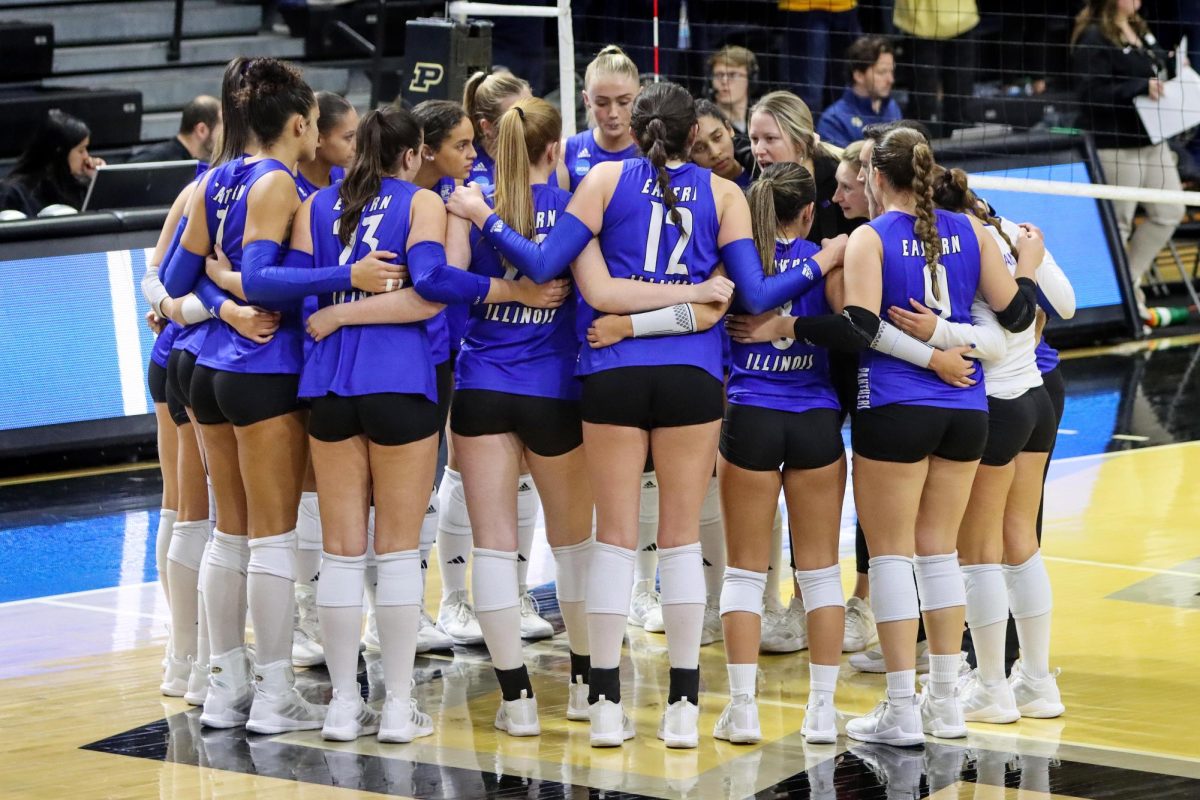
[1015,372]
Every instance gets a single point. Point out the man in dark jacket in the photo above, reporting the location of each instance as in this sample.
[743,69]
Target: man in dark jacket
[198,129]
[871,64]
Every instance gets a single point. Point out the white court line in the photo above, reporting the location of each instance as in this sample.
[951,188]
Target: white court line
[84,593]
[1129,567]
[116,612]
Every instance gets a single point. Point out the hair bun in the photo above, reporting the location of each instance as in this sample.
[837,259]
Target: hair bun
[267,76]
[611,50]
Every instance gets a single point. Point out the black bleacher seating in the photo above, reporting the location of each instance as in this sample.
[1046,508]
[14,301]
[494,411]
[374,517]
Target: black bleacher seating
[26,51]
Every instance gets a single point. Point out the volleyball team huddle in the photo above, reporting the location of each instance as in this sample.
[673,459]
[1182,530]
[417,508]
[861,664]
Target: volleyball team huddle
[656,351]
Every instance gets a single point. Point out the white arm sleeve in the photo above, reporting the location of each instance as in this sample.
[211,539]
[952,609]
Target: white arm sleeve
[152,288]
[984,333]
[1054,285]
[670,321]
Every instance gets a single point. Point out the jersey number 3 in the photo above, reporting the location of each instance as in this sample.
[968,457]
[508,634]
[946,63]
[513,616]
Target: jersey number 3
[654,236]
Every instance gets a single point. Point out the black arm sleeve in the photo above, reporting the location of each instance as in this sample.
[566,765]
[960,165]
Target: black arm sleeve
[1022,309]
[852,331]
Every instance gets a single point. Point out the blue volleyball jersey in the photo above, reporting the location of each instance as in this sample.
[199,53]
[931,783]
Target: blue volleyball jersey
[884,379]
[582,153]
[224,348]
[1047,357]
[446,327]
[366,359]
[483,171]
[510,347]
[190,337]
[163,344]
[786,374]
[641,243]
[306,187]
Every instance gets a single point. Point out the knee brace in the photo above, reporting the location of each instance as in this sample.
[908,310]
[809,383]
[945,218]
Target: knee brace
[821,588]
[710,509]
[742,590]
[187,543]
[939,581]
[229,552]
[342,581]
[987,597]
[893,591]
[494,579]
[681,575]
[571,571]
[452,505]
[429,525]
[274,555]
[1029,592]
[399,579]
[308,523]
[610,579]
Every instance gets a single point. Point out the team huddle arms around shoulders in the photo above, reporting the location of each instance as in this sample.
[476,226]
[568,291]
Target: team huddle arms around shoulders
[595,316]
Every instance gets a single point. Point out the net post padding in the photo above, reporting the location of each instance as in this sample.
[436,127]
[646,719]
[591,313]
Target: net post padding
[566,43]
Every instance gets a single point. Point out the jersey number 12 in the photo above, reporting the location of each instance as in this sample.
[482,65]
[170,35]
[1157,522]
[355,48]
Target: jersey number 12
[654,236]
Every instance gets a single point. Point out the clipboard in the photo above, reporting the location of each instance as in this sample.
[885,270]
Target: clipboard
[1178,109]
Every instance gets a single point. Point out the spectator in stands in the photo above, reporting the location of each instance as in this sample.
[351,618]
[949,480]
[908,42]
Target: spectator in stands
[1115,59]
[54,169]
[719,148]
[198,129]
[942,55]
[812,30]
[733,71]
[871,66]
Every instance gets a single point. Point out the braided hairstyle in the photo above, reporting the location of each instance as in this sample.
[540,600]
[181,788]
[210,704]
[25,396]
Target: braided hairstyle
[952,192]
[663,117]
[906,160]
[778,198]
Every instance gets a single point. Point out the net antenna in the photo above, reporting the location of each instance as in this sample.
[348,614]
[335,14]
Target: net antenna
[460,10]
[657,73]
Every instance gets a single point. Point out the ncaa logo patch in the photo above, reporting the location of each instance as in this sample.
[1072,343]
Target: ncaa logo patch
[426,75]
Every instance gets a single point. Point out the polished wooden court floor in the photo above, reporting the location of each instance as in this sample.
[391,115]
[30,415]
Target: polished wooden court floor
[82,630]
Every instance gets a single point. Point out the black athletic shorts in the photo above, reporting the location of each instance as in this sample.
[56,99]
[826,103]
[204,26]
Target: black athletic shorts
[161,392]
[843,371]
[385,418]
[1024,424]
[181,366]
[1052,382]
[761,439]
[241,398]
[547,426]
[667,396]
[907,434]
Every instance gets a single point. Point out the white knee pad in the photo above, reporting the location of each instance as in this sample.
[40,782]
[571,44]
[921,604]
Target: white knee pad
[452,505]
[710,509]
[527,502]
[939,581]
[308,523]
[610,579]
[429,525]
[681,575]
[494,579]
[742,590]
[398,578]
[229,552]
[821,588]
[274,555]
[1029,592]
[571,571]
[648,507]
[342,581]
[187,543]
[987,596]
[893,591]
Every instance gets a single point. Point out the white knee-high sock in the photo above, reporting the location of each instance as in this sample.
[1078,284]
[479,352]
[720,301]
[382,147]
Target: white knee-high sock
[454,533]
[647,547]
[987,617]
[1032,600]
[609,583]
[527,506]
[428,537]
[498,605]
[712,543]
[308,541]
[270,591]
[775,566]
[682,579]
[202,648]
[224,588]
[571,574]
[339,608]
[397,612]
[188,540]
[162,544]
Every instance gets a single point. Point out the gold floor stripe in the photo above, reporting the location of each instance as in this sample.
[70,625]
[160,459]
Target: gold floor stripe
[89,472]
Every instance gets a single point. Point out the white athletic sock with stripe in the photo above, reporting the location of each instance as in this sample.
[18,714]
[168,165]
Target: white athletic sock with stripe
[184,556]
[610,582]
[339,608]
[270,591]
[224,590]
[397,613]
[527,506]
[775,568]
[498,605]
[712,543]
[647,548]
[162,543]
[308,541]
[454,533]
[682,603]
[1032,601]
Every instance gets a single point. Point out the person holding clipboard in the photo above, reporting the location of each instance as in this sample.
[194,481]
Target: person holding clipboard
[1116,59]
